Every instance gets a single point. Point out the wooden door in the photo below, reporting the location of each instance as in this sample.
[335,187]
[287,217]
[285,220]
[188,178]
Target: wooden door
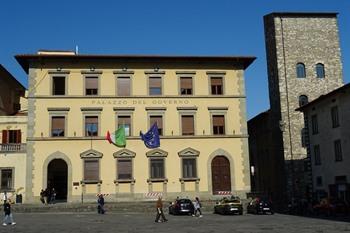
[221,175]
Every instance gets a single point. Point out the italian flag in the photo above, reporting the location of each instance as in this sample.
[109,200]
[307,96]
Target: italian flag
[118,137]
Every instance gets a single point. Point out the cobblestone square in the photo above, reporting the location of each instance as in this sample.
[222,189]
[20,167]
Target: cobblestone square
[132,222]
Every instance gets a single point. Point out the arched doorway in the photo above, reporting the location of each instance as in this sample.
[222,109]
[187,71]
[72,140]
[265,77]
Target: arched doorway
[57,177]
[221,175]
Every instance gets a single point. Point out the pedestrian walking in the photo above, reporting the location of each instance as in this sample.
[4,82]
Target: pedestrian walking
[160,212]
[8,219]
[100,204]
[197,208]
[53,196]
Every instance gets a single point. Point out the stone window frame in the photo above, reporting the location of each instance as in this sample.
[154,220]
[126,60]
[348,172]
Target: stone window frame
[97,73]
[317,156]
[188,111]
[56,73]
[156,111]
[217,74]
[157,153]
[91,112]
[188,153]
[125,111]
[121,73]
[218,111]
[186,74]
[91,155]
[12,188]
[124,154]
[150,74]
[338,154]
[58,112]
[335,116]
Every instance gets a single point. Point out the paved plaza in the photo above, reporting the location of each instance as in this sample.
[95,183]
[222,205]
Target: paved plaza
[130,223]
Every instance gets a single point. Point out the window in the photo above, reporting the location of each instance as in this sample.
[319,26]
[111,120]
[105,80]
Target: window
[91,170]
[58,85]
[126,121]
[335,117]
[123,86]
[314,124]
[338,151]
[186,85]
[155,85]
[187,124]
[303,99]
[124,168]
[157,168]
[91,85]
[216,85]
[57,126]
[159,121]
[11,136]
[301,70]
[6,179]
[218,124]
[189,169]
[317,154]
[320,70]
[319,181]
[91,126]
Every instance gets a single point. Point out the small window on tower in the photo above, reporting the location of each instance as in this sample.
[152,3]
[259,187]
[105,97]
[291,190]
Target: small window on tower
[301,70]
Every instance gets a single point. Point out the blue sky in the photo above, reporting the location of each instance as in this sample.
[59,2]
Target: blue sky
[177,27]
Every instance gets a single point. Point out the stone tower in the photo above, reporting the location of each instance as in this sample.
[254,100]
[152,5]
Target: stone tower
[304,62]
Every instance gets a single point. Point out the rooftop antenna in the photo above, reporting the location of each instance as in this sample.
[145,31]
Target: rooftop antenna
[76,50]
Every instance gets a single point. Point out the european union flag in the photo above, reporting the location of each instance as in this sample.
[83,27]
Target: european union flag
[151,138]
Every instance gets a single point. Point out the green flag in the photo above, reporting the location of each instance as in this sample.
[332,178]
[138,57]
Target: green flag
[118,137]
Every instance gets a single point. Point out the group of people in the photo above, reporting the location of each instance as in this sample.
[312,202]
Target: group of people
[48,196]
[160,214]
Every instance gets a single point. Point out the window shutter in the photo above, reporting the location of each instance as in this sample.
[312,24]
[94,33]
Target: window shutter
[4,136]
[155,82]
[157,119]
[216,81]
[57,123]
[124,168]
[218,120]
[187,125]
[18,136]
[91,82]
[123,86]
[91,170]
[186,82]
[91,120]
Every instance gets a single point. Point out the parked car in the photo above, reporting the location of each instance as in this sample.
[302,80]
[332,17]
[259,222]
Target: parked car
[260,206]
[331,207]
[229,205]
[181,206]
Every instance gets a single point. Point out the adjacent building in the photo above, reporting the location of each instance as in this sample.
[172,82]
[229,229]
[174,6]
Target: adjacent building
[199,105]
[13,127]
[327,138]
[304,62]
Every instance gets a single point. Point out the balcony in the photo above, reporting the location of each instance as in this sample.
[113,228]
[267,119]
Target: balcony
[12,148]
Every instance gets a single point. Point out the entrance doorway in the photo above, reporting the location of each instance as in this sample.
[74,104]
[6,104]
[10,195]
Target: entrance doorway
[221,175]
[57,178]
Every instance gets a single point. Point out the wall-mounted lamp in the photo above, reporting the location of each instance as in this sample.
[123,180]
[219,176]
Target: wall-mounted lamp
[58,68]
[156,69]
[124,69]
[203,131]
[92,68]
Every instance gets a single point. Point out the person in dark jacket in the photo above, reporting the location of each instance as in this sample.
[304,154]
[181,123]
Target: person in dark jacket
[8,219]
[160,213]
[100,204]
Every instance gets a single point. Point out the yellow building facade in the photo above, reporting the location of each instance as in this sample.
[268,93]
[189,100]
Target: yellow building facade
[199,105]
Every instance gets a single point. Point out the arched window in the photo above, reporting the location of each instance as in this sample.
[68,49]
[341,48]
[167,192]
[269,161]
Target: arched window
[320,70]
[303,100]
[301,70]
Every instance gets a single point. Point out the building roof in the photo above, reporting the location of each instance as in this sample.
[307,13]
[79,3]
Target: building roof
[4,74]
[25,59]
[323,97]
[302,14]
